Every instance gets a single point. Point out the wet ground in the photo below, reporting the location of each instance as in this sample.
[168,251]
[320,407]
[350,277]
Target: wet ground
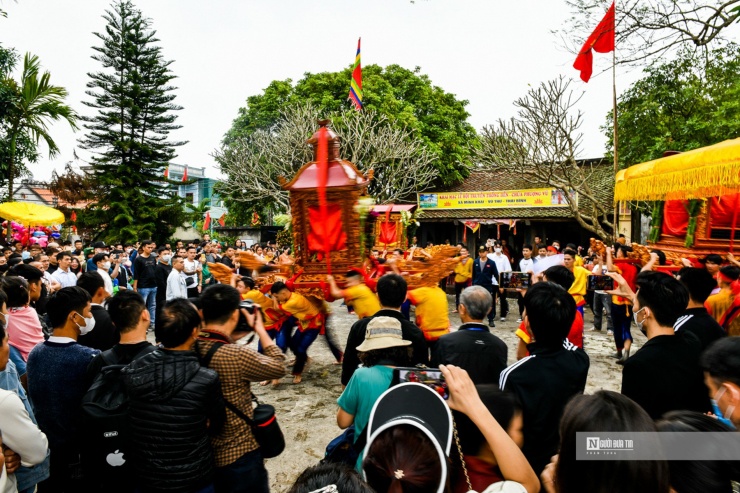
[307,411]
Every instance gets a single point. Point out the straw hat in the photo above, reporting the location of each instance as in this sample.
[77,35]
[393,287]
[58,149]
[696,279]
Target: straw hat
[381,333]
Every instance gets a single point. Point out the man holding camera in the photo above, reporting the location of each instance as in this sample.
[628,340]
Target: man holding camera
[239,463]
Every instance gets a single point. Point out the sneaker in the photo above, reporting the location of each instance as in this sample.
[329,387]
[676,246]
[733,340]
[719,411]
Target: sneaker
[491,324]
[610,332]
[617,355]
[503,319]
[593,329]
[518,320]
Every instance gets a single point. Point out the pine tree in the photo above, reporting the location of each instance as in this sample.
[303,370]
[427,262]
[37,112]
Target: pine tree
[129,134]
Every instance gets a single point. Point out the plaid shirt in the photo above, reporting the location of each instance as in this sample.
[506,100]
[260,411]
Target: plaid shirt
[237,366]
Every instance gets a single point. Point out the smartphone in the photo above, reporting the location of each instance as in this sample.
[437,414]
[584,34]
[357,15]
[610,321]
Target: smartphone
[515,280]
[429,377]
[600,283]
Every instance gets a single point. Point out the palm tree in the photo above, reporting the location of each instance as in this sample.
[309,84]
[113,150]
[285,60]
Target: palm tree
[196,214]
[36,104]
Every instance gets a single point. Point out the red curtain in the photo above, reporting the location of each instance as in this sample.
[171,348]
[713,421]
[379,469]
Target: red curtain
[722,210]
[388,233]
[326,232]
[675,218]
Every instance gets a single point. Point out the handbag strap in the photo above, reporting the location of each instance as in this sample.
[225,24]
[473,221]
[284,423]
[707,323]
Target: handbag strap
[204,361]
[462,458]
[238,412]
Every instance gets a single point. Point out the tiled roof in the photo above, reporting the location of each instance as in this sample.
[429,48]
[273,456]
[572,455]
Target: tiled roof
[48,197]
[601,181]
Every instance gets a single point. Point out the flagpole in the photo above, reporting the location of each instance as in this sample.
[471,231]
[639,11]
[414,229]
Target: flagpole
[616,133]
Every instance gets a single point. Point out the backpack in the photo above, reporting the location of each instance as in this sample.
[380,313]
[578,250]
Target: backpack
[343,449]
[104,422]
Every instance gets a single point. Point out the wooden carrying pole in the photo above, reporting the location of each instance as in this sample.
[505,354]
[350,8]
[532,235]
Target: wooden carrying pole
[616,133]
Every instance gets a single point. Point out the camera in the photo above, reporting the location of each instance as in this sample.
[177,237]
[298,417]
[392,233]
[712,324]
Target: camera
[250,306]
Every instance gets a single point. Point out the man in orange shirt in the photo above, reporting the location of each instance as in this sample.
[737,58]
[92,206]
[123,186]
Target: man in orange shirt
[432,312]
[310,322]
[356,294]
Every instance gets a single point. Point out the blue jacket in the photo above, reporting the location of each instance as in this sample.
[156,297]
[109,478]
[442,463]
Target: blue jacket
[482,277]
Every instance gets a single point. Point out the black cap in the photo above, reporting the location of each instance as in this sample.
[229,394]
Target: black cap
[98,244]
[419,406]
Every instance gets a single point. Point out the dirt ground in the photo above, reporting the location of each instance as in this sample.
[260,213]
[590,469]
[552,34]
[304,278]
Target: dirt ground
[307,411]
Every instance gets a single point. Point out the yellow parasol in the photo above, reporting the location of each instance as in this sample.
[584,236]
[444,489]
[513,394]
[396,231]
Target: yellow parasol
[705,172]
[31,214]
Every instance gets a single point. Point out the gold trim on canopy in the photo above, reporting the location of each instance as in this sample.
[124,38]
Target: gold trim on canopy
[30,214]
[705,172]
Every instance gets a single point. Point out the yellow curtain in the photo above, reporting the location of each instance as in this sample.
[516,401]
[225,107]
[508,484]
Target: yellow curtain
[705,172]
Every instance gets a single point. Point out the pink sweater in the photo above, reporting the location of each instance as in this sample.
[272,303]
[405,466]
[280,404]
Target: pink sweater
[24,329]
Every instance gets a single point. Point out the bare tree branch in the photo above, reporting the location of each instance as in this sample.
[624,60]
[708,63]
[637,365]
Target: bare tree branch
[401,162]
[542,142]
[647,29]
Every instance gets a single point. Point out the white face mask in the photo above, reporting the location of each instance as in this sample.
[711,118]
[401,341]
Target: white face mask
[106,265]
[166,258]
[497,250]
[639,324]
[89,325]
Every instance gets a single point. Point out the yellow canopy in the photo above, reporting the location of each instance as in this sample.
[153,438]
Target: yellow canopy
[705,172]
[31,214]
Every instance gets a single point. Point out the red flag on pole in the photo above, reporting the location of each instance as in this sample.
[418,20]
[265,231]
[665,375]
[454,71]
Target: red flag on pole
[222,220]
[600,41]
[207,222]
[73,216]
[185,174]
[322,158]
[167,172]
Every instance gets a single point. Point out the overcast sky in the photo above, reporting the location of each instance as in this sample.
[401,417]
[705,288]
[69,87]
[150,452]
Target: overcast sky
[487,52]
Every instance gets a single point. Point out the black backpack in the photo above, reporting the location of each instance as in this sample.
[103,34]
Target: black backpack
[105,426]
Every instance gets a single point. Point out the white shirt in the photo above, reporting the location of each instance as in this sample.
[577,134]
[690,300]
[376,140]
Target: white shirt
[176,286]
[599,271]
[65,278]
[21,435]
[191,267]
[60,339]
[106,280]
[502,264]
[526,264]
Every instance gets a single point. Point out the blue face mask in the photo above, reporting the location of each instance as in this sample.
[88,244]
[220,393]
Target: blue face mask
[25,255]
[718,412]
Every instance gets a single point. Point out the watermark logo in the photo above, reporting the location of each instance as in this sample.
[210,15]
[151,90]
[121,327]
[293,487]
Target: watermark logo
[607,446]
[706,446]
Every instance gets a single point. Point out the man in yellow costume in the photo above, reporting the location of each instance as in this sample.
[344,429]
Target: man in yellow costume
[724,306]
[356,294]
[310,322]
[432,312]
[578,289]
[463,274]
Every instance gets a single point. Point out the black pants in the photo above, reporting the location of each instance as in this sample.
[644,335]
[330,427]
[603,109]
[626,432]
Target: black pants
[493,290]
[459,286]
[193,291]
[520,302]
[504,302]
